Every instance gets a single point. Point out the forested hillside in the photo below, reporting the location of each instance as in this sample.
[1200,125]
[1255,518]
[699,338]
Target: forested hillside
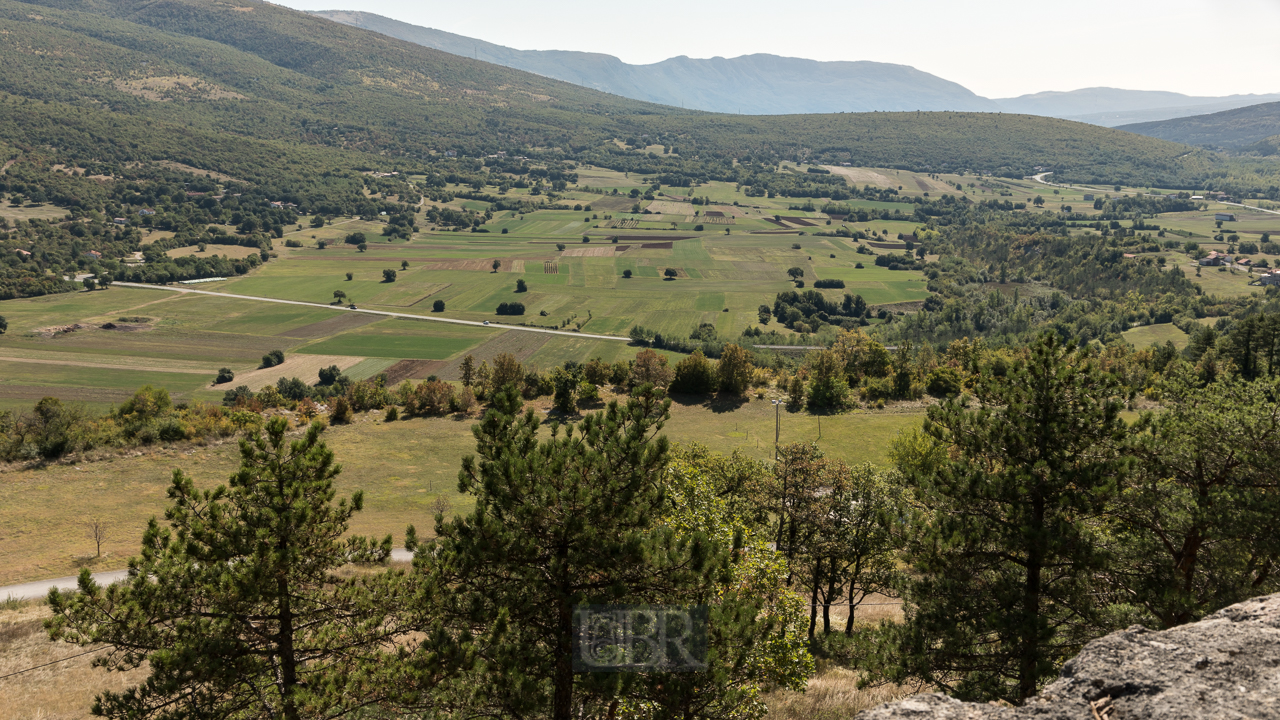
[268,73]
[1230,129]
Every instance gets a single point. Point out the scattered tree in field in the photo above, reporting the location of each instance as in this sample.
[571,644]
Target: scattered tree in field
[350,276]
[1038,202]
[510,308]
[272,359]
[560,246]
[225,375]
[1002,593]
[468,370]
[317,222]
[496,265]
[90,284]
[234,608]
[330,375]
[4,325]
[356,238]
[521,286]
[362,247]
[438,306]
[694,375]
[105,280]
[96,529]
[671,273]
[796,273]
[339,296]
[735,369]
[626,273]
[650,368]
[404,264]
[388,276]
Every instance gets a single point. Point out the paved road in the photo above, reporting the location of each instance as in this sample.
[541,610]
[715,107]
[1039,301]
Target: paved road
[40,588]
[1249,207]
[341,308]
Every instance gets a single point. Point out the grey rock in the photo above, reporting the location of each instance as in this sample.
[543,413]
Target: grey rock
[1225,667]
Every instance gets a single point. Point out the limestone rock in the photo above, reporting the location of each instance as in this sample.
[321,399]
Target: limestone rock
[1225,667]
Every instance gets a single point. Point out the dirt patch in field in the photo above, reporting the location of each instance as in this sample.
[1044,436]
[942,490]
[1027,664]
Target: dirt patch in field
[666,207]
[521,344]
[303,367]
[237,252]
[413,370]
[57,330]
[923,185]
[334,325]
[127,327]
[590,251]
[108,366]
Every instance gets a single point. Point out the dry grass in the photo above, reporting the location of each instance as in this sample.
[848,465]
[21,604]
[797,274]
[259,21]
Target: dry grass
[303,367]
[61,691]
[831,695]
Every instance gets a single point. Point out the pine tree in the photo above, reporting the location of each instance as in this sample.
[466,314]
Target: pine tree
[234,607]
[1006,551]
[558,523]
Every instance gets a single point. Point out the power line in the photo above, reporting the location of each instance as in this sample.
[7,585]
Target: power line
[55,662]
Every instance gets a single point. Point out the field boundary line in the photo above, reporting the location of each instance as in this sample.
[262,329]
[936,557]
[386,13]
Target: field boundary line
[406,316]
[104,366]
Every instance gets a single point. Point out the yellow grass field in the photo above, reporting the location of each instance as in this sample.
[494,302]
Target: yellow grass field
[304,367]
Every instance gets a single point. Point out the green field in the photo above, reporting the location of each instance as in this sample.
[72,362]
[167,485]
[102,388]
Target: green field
[1149,335]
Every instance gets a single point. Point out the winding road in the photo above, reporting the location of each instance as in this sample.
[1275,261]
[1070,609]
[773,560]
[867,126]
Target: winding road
[409,316]
[41,588]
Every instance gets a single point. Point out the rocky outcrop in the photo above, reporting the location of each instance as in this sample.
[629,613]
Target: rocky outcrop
[1225,667]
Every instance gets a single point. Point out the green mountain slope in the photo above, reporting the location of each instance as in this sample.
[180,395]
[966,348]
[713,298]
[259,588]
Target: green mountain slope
[167,79]
[1231,129]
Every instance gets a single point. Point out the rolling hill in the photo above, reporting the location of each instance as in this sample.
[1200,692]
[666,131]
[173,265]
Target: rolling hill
[1112,107]
[758,84]
[1234,129]
[248,89]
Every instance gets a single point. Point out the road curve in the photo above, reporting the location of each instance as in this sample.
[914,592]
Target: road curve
[40,588]
[342,308]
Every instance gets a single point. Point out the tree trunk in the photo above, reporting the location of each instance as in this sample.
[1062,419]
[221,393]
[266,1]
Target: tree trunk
[848,624]
[826,604]
[288,655]
[813,599]
[1029,642]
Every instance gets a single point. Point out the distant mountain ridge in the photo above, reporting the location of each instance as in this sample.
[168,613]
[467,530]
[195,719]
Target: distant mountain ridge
[1236,129]
[764,84]
[1112,107]
[752,84]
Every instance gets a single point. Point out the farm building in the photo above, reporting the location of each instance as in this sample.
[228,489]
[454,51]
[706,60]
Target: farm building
[1088,198]
[1271,278]
[1224,217]
[146,211]
[1214,258]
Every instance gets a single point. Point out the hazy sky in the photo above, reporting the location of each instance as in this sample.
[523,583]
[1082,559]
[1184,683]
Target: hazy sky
[996,48]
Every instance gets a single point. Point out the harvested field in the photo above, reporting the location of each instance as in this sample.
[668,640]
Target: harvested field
[413,370]
[235,252]
[303,367]
[713,214]
[923,185]
[521,344]
[623,224]
[550,268]
[474,265]
[654,241]
[771,221]
[667,207]
[862,176]
[110,366]
[887,245]
[719,220]
[606,251]
[334,325]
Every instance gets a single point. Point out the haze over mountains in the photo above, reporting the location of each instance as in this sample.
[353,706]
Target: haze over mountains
[764,84]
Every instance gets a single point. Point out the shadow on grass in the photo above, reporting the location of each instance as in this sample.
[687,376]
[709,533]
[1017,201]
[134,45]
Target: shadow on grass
[719,403]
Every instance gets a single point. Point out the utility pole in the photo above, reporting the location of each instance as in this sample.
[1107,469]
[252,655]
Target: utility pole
[777,426]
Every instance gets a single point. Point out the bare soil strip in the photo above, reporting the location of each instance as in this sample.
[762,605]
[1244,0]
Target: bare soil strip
[303,367]
[332,326]
[107,366]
